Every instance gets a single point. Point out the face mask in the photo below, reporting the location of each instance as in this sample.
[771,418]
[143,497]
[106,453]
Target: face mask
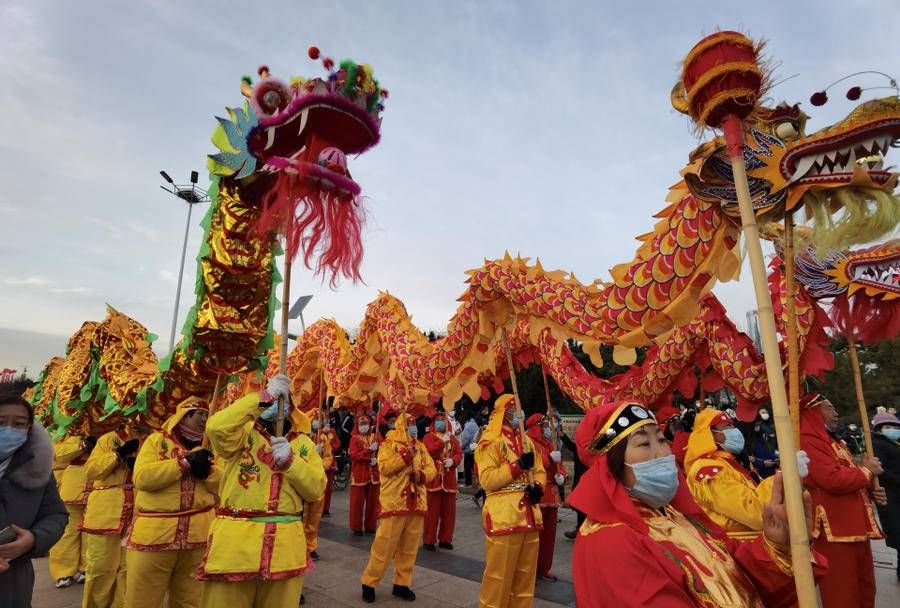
[546,432]
[413,431]
[11,440]
[440,426]
[514,421]
[364,429]
[656,481]
[764,415]
[734,441]
[892,434]
[315,425]
[390,426]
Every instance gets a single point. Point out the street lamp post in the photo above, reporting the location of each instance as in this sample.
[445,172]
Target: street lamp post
[192,195]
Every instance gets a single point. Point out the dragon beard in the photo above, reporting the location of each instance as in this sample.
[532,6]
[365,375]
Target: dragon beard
[324,224]
[865,215]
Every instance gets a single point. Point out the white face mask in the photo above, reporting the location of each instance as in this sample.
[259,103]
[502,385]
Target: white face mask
[764,415]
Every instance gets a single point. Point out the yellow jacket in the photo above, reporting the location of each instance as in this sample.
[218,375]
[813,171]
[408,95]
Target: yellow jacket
[397,459]
[257,532]
[111,499]
[506,510]
[172,509]
[69,456]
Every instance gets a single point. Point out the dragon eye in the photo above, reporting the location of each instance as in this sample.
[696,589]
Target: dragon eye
[786,131]
[271,101]
[269,97]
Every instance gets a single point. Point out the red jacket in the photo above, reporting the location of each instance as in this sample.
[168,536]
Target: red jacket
[361,455]
[439,451]
[542,448]
[841,505]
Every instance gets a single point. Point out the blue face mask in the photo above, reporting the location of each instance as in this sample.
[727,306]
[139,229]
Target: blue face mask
[892,434]
[734,441]
[413,431]
[547,432]
[11,439]
[514,421]
[656,481]
[440,426]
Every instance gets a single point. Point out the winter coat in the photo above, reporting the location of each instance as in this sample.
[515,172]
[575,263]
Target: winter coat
[469,433]
[889,453]
[29,499]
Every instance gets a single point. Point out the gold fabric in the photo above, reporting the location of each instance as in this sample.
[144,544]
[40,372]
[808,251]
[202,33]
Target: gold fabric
[312,515]
[104,585]
[67,555]
[397,540]
[509,571]
[729,498]
[505,509]
[255,593]
[153,574]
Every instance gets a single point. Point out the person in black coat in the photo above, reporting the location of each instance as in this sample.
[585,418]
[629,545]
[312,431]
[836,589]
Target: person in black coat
[886,443]
[30,508]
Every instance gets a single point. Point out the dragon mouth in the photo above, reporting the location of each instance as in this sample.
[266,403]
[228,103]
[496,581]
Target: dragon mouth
[881,272]
[842,159]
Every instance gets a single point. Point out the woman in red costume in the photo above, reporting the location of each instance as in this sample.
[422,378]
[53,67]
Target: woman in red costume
[364,478]
[646,542]
[540,433]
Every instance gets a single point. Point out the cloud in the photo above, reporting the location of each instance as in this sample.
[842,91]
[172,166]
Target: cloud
[32,281]
[168,276]
[79,290]
[45,284]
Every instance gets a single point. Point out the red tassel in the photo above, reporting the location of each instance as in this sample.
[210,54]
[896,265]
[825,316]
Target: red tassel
[326,227]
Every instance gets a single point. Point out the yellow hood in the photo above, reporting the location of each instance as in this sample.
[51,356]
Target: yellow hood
[701,441]
[494,428]
[188,405]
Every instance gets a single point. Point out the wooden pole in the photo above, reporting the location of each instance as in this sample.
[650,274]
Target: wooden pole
[285,307]
[861,400]
[549,408]
[801,558]
[515,388]
[212,406]
[321,416]
[793,347]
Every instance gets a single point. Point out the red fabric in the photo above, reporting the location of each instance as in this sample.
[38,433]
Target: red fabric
[851,582]
[836,484]
[363,500]
[440,521]
[360,457]
[543,447]
[679,447]
[547,539]
[446,478]
[329,489]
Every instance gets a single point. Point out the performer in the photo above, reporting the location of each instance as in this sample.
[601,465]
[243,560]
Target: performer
[729,494]
[540,433]
[405,468]
[446,452]
[364,478]
[331,445]
[66,561]
[256,552]
[325,442]
[176,486]
[107,514]
[844,519]
[511,516]
[647,543]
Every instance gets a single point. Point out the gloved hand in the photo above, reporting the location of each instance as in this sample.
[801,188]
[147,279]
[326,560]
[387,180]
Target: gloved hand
[472,446]
[319,450]
[416,477]
[129,448]
[278,386]
[446,437]
[374,446]
[373,462]
[803,463]
[448,463]
[526,461]
[534,493]
[200,462]
[559,478]
[556,456]
[281,451]
[88,443]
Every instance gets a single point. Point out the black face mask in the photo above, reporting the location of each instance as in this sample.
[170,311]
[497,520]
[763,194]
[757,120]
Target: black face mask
[269,425]
[383,429]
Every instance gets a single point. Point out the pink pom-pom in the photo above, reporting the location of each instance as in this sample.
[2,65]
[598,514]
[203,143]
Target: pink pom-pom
[263,69]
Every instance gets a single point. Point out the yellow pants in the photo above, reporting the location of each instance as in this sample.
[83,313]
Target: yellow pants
[398,538]
[253,593]
[104,585]
[153,573]
[67,555]
[312,515]
[509,570]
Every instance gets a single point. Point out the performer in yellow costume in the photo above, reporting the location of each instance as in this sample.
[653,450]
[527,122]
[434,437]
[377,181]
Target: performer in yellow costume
[405,468]
[325,441]
[107,515]
[726,491]
[175,486]
[67,563]
[256,552]
[511,515]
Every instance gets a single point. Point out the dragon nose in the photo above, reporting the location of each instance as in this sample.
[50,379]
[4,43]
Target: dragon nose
[333,159]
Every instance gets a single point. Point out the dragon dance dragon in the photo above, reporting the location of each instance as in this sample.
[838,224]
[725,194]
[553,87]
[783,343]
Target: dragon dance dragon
[694,243]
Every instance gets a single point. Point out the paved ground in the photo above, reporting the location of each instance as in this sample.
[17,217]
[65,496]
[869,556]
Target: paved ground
[444,578]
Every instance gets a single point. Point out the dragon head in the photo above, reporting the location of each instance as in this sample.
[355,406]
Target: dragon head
[303,127]
[838,167]
[875,271]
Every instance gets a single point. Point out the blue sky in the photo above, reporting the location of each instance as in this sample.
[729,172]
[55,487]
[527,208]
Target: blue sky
[538,127]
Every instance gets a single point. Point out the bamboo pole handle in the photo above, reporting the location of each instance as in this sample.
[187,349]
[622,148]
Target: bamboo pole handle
[515,388]
[549,407]
[212,406]
[282,361]
[793,346]
[801,556]
[861,401]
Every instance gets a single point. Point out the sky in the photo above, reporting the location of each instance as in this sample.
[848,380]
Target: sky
[541,128]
